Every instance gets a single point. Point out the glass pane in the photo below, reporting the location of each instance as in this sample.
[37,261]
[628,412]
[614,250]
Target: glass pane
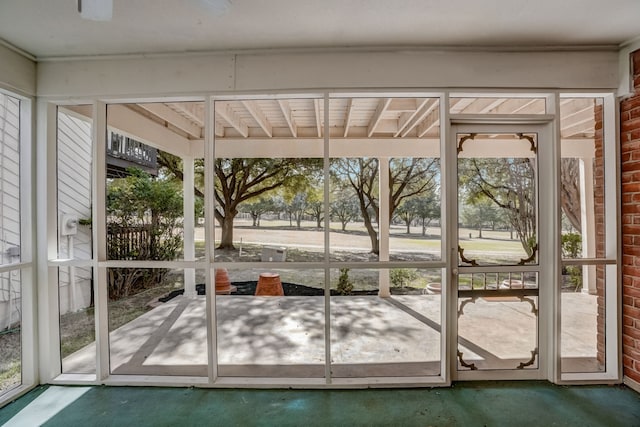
[414,232]
[355,209]
[498,325]
[495,105]
[396,336]
[270,322]
[10,336]
[157,322]
[583,234]
[77,320]
[9,180]
[582,320]
[269,181]
[74,182]
[147,147]
[284,224]
[367,133]
[497,199]
[582,181]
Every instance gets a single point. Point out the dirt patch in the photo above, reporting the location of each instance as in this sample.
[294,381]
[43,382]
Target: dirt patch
[9,359]
[292,289]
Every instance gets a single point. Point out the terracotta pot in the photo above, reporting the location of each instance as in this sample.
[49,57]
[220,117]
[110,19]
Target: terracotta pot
[269,284]
[223,284]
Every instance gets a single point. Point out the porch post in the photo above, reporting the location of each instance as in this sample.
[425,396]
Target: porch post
[189,226]
[383,225]
[588,224]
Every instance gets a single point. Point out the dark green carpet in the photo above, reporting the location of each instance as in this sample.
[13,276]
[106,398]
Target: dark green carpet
[522,403]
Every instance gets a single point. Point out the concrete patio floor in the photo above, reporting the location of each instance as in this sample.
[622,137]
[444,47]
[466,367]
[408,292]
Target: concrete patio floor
[370,336]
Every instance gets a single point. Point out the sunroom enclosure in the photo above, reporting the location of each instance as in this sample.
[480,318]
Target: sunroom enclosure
[375,289]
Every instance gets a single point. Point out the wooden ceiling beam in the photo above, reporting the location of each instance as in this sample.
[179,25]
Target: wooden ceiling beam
[316,107]
[347,119]
[169,115]
[225,111]
[426,110]
[431,121]
[288,116]
[406,118]
[253,109]
[382,107]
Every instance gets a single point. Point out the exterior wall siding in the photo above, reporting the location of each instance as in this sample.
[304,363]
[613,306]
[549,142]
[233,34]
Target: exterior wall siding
[74,198]
[10,292]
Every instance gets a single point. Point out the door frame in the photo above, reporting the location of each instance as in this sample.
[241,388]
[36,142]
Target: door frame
[548,240]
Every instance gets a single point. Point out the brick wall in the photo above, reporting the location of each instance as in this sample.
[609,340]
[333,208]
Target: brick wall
[630,163]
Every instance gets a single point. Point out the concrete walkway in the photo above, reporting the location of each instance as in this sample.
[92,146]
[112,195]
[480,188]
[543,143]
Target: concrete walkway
[370,336]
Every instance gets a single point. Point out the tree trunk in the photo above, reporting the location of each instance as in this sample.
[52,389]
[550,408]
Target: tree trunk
[408,228]
[424,228]
[480,232]
[226,238]
[373,235]
[344,226]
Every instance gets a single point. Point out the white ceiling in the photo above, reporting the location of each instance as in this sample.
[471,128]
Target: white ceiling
[53,28]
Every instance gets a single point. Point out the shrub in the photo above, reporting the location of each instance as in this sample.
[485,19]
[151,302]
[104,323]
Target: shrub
[345,285]
[402,276]
[571,248]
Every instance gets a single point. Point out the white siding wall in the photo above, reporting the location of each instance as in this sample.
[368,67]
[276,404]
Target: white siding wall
[74,198]
[9,208]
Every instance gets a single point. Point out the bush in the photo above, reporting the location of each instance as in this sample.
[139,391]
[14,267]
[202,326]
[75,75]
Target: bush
[571,248]
[571,245]
[345,285]
[402,276]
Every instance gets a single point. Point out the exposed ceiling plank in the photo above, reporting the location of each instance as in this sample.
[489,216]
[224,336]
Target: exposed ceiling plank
[191,110]
[428,123]
[493,105]
[288,116]
[457,105]
[219,129]
[253,109]
[426,110]
[405,118]
[171,116]
[525,107]
[382,107]
[347,119]
[225,111]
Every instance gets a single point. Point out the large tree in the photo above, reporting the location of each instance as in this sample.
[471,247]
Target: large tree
[345,209]
[408,177]
[238,180]
[424,207]
[257,207]
[510,184]
[570,191]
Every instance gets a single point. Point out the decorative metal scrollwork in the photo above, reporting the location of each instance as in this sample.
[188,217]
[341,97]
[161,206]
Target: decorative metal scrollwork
[534,309]
[529,138]
[523,365]
[465,302]
[464,139]
[534,251]
[471,366]
[473,262]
